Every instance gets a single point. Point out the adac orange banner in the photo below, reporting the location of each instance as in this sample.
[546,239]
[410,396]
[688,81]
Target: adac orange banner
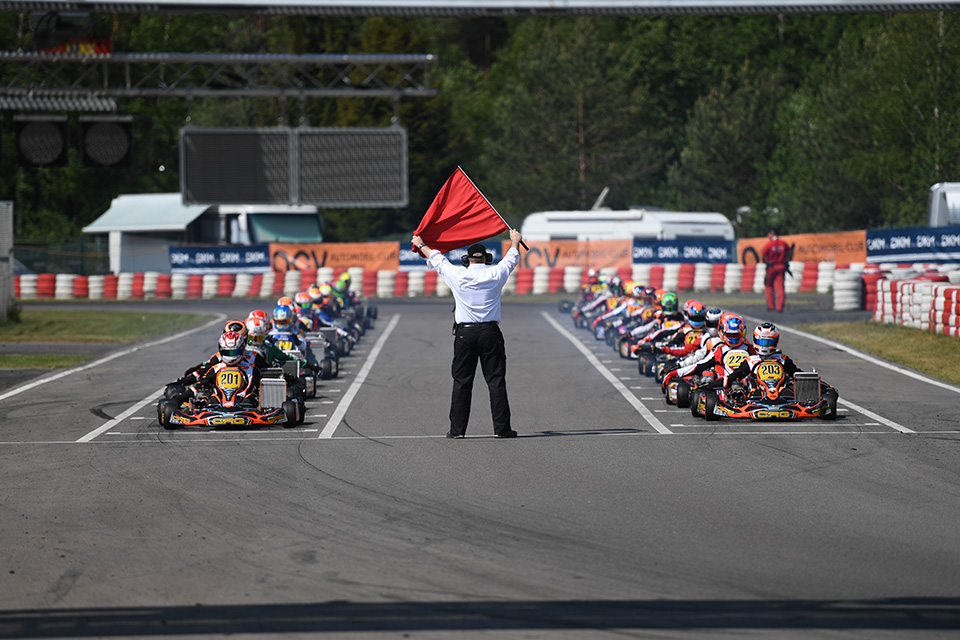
[843,247]
[596,254]
[374,256]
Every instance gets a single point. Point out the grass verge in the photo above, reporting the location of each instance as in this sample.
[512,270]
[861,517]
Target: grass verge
[38,325]
[930,353]
[45,361]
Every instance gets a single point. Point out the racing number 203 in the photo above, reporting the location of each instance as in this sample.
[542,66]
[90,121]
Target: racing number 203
[770,371]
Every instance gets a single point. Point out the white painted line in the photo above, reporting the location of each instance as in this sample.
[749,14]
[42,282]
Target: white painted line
[334,390]
[615,369]
[649,398]
[348,397]
[870,359]
[619,386]
[636,387]
[876,416]
[660,410]
[871,424]
[317,415]
[113,356]
[326,402]
[138,417]
[123,416]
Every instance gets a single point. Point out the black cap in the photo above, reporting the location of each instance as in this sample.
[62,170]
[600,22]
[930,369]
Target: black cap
[771,230]
[477,251]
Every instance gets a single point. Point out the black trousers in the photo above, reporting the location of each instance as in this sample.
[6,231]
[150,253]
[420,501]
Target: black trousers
[484,343]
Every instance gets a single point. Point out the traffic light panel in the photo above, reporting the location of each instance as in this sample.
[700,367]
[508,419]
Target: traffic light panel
[41,140]
[107,141]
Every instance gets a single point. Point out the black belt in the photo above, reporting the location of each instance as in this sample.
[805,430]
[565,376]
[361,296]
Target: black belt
[467,325]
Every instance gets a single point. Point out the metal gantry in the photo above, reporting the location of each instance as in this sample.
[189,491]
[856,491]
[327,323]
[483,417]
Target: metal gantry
[197,75]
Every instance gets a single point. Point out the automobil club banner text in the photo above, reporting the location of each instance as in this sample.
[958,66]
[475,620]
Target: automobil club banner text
[842,247]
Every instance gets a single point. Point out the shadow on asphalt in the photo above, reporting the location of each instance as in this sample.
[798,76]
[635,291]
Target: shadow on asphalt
[936,614]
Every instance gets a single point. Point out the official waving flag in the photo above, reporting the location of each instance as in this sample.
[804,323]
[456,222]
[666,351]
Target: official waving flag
[459,216]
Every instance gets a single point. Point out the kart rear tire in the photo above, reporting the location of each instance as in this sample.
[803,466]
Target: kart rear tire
[326,369]
[290,413]
[683,394]
[710,405]
[831,398]
[161,420]
[301,412]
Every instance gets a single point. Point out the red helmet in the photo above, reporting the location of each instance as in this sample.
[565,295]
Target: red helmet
[232,347]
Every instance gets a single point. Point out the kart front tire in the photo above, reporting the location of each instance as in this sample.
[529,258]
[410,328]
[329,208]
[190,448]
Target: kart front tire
[695,403]
[683,394]
[167,414]
[710,405]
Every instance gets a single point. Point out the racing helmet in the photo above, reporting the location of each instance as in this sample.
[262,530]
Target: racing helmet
[766,337]
[712,320]
[259,313]
[237,326]
[340,287]
[658,296]
[282,317]
[731,329]
[592,276]
[285,301]
[668,302]
[695,313]
[639,291]
[231,347]
[256,332]
[326,290]
[303,301]
[314,292]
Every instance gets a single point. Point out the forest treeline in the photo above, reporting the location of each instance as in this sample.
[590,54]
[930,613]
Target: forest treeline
[807,122]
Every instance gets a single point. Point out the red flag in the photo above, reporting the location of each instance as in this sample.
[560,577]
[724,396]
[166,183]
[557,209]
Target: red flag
[459,216]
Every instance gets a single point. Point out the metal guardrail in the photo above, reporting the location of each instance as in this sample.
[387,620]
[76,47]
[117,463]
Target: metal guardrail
[196,75]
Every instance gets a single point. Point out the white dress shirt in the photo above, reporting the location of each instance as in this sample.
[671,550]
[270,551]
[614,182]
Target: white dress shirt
[476,287]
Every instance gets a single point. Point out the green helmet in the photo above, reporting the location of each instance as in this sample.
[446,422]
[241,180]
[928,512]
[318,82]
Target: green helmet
[669,302]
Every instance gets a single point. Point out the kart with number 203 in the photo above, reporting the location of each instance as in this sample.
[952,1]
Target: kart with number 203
[771,395]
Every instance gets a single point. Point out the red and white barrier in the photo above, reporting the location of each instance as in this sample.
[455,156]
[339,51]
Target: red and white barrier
[683,277]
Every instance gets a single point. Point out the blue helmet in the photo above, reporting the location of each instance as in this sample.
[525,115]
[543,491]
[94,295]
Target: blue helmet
[732,329]
[282,317]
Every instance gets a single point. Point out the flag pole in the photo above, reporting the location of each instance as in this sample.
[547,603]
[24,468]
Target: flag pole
[460,169]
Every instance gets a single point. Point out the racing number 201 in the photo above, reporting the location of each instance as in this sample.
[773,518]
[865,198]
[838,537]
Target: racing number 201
[229,379]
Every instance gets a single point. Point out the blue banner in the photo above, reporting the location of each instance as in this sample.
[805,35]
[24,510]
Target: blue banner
[410,260]
[914,244]
[686,250]
[216,259]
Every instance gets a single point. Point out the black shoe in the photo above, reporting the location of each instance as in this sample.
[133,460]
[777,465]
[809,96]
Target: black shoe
[454,436]
[506,434]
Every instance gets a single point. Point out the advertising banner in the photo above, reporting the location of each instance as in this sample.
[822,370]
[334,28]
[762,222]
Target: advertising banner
[217,259]
[410,260]
[842,247]
[686,250]
[597,254]
[375,256]
[914,244]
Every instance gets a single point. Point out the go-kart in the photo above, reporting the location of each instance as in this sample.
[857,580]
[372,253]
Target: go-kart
[771,395]
[227,403]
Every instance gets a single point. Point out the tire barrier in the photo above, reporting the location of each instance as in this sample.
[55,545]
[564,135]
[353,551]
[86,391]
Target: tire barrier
[847,290]
[81,287]
[95,287]
[46,285]
[63,287]
[164,288]
[684,277]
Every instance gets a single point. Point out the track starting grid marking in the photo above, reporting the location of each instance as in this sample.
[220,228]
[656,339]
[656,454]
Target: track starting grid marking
[596,352]
[295,433]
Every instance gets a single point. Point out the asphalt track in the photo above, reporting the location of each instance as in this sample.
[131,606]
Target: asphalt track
[612,515]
